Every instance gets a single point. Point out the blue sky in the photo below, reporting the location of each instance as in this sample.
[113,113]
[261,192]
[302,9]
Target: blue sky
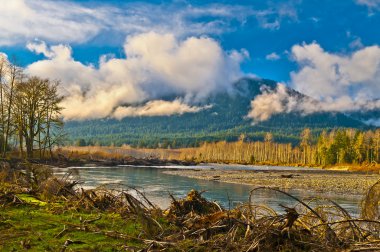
[335,25]
[112,53]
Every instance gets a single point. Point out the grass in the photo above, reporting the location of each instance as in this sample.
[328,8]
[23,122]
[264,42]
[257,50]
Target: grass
[39,228]
[104,152]
[31,200]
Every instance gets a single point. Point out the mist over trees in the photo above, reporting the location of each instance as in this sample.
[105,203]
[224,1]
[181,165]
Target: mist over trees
[30,118]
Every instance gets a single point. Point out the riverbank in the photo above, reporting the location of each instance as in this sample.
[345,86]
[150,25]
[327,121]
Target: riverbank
[45,213]
[318,180]
[332,180]
[63,161]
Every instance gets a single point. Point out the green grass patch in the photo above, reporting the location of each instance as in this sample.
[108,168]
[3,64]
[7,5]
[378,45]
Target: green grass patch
[36,228]
[29,199]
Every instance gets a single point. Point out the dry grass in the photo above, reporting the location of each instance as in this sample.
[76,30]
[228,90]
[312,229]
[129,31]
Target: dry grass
[374,167]
[102,152]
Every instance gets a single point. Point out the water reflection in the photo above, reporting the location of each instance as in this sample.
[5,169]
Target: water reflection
[157,186]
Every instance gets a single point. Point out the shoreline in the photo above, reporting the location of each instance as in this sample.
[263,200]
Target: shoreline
[318,180]
[64,162]
[334,180]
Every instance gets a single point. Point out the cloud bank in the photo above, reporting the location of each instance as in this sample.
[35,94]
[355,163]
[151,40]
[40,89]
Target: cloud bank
[156,65]
[271,102]
[157,108]
[332,82]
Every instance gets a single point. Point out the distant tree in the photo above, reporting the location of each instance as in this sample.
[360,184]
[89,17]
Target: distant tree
[305,144]
[369,146]
[268,137]
[322,147]
[306,137]
[81,142]
[376,141]
[242,138]
[358,147]
[90,142]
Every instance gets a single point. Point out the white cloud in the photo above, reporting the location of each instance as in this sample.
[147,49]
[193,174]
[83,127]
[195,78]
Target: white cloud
[315,19]
[272,17]
[270,102]
[372,4]
[332,82]
[273,56]
[356,43]
[157,108]
[73,22]
[22,20]
[59,52]
[156,65]
[281,100]
[324,75]
[70,22]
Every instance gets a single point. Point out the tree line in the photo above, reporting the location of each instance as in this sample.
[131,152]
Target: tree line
[30,118]
[340,146]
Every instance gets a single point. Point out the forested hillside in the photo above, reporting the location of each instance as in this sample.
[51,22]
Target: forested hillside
[225,120]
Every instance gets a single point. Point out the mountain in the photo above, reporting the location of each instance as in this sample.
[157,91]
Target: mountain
[225,120]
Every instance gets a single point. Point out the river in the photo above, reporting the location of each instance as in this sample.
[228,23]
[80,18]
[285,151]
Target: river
[157,185]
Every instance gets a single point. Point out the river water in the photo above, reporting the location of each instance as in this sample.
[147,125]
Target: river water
[157,185]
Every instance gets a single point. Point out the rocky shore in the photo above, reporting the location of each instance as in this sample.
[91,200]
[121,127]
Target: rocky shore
[322,181]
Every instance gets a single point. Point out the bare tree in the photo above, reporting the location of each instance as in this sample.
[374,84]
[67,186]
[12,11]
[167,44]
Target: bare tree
[13,74]
[2,99]
[38,104]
